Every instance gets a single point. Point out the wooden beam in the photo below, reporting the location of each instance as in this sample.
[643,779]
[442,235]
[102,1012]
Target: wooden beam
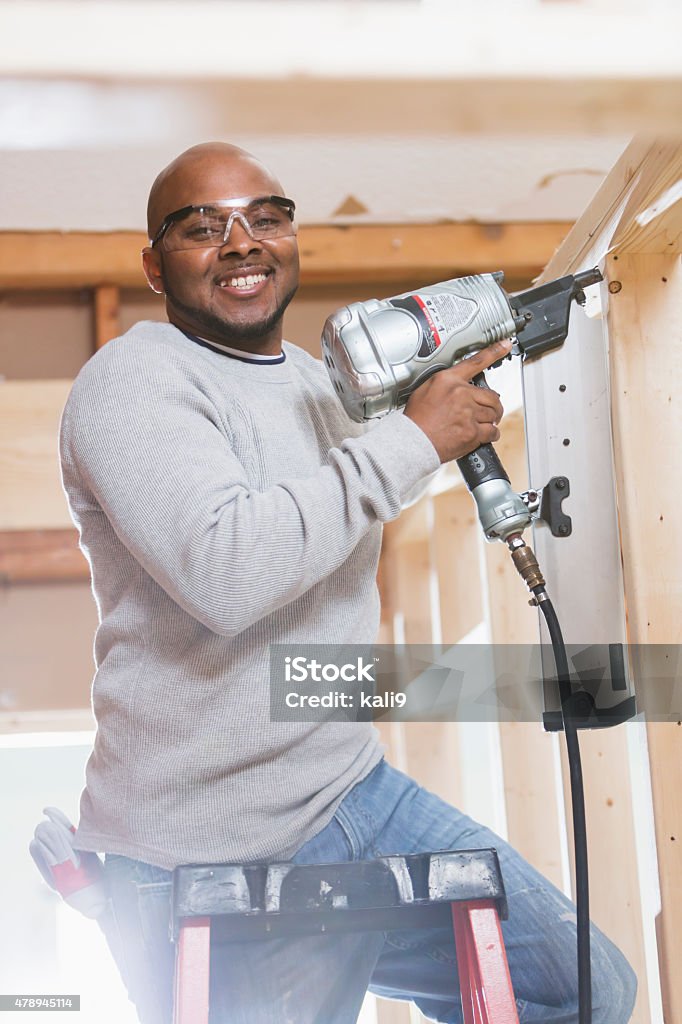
[329,254]
[643,174]
[107,314]
[652,219]
[41,556]
[73,259]
[425,252]
[593,225]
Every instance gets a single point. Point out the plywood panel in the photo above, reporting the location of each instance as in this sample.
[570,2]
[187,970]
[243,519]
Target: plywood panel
[665,753]
[645,326]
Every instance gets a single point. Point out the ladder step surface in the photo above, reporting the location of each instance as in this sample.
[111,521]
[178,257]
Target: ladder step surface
[261,900]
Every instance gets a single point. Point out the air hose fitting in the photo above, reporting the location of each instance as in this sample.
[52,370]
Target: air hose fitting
[527,566]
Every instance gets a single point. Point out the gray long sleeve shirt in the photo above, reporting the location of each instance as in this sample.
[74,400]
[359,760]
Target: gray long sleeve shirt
[223,506]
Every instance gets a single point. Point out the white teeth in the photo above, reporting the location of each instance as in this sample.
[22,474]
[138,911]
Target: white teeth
[243,282]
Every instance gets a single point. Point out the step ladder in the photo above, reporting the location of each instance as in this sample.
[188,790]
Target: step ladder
[223,903]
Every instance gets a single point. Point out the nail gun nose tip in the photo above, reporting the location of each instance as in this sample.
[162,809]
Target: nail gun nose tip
[588,277]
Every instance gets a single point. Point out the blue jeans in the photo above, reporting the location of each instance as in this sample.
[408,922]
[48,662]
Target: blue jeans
[322,979]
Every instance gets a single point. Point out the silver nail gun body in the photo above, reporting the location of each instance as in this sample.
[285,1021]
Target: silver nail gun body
[378,352]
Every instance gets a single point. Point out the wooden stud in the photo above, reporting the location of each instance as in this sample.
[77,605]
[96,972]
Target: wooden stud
[412,527]
[454,543]
[107,314]
[426,750]
[413,587]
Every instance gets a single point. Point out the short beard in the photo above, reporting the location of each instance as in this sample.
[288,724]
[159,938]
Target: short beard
[231,334]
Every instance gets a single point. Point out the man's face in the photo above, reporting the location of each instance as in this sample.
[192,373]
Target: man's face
[200,295]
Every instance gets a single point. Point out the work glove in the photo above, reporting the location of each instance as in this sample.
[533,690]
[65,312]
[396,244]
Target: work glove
[77,875]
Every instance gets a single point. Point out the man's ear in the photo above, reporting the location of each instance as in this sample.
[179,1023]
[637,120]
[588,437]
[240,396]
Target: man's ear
[151,263]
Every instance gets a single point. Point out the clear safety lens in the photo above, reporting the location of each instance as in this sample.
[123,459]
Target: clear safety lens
[199,227]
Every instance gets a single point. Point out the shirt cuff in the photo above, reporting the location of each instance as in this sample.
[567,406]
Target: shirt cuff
[402,449]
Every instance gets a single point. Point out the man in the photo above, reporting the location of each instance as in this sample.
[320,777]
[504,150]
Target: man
[225,503]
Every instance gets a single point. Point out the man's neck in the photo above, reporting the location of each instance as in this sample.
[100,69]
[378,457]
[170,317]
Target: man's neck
[268,345]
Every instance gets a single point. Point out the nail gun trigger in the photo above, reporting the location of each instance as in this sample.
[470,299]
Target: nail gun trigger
[493,366]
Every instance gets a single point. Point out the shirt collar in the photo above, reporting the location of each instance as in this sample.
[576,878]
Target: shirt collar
[235,353]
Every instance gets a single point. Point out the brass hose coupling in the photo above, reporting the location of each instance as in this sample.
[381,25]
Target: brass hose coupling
[526,563]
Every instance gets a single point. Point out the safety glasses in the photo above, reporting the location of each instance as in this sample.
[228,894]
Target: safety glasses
[209,225]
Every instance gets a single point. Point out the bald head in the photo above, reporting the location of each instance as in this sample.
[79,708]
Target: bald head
[212,170]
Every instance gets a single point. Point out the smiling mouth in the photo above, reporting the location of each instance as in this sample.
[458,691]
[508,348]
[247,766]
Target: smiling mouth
[243,281]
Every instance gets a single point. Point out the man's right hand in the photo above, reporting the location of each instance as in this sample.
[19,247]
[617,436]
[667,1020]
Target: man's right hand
[454,414]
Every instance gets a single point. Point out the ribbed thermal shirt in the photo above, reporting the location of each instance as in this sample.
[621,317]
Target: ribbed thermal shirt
[223,506]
